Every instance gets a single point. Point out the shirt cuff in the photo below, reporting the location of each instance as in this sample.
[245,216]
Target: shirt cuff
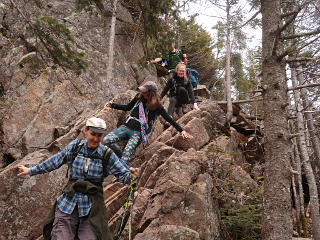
[195,104]
[31,171]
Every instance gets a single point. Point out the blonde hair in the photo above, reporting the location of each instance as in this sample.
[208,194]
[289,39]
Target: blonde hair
[180,65]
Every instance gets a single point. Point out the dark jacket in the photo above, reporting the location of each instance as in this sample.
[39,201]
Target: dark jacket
[175,82]
[150,115]
[97,215]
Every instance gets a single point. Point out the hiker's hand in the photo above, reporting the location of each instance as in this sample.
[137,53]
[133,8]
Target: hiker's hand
[134,171]
[24,170]
[108,104]
[196,108]
[184,134]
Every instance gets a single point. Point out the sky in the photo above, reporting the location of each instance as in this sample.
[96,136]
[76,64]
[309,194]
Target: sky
[209,16]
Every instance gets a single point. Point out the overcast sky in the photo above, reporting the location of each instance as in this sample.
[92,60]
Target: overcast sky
[210,15]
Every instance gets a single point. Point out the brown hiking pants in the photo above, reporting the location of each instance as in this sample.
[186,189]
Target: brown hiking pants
[67,226]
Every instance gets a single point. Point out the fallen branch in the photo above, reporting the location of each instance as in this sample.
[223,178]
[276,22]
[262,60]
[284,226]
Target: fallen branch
[241,101]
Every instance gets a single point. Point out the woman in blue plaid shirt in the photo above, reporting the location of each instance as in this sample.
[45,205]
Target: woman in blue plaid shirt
[77,212]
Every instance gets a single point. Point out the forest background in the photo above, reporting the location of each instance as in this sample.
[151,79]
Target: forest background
[275,83]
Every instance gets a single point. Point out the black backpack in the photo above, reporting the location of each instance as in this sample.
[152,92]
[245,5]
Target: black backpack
[175,85]
[77,147]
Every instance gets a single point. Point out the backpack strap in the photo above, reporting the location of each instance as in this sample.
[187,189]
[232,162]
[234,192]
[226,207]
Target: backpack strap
[105,159]
[75,150]
[179,54]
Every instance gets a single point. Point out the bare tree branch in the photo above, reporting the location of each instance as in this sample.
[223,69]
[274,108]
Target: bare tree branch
[312,73]
[250,19]
[304,86]
[317,31]
[307,44]
[288,22]
[300,59]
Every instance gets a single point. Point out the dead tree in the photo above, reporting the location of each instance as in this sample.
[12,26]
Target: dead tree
[302,146]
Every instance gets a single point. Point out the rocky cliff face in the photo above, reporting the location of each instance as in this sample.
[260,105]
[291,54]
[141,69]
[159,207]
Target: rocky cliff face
[43,110]
[174,193]
[37,106]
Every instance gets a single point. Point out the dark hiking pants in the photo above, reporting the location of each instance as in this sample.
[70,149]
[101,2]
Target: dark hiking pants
[181,97]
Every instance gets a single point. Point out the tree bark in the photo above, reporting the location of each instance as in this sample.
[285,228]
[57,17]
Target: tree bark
[302,145]
[228,66]
[311,128]
[301,220]
[111,43]
[309,117]
[276,220]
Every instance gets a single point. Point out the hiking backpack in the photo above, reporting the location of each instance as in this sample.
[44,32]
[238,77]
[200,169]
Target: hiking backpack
[150,119]
[193,77]
[75,152]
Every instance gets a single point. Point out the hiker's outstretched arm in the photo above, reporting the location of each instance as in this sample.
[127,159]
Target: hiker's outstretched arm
[190,92]
[118,169]
[24,170]
[156,60]
[166,89]
[125,107]
[54,162]
[169,119]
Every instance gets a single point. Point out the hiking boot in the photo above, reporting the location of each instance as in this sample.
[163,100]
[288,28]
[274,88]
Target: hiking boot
[114,179]
[178,110]
[184,109]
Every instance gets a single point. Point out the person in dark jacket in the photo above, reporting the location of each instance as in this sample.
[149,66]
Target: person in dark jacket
[175,56]
[80,212]
[144,107]
[181,91]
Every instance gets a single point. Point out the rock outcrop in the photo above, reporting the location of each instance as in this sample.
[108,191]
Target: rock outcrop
[43,110]
[36,104]
[174,193]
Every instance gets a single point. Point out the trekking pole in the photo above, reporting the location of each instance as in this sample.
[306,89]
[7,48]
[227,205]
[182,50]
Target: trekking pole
[129,204]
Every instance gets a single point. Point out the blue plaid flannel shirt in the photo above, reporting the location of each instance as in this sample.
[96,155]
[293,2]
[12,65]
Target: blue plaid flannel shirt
[82,168]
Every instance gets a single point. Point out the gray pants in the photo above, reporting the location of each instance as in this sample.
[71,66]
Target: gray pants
[68,226]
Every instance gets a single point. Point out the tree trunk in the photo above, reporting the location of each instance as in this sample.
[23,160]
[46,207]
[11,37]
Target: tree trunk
[111,43]
[313,191]
[228,67]
[296,194]
[301,219]
[309,117]
[276,220]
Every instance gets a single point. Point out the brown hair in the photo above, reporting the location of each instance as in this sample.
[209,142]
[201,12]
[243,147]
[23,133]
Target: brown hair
[153,101]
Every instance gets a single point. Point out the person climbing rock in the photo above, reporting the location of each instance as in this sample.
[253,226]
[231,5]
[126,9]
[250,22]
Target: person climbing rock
[80,212]
[144,107]
[175,56]
[181,92]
